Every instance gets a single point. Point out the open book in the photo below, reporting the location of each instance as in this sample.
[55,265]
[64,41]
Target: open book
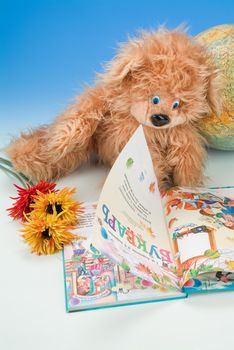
[140,245]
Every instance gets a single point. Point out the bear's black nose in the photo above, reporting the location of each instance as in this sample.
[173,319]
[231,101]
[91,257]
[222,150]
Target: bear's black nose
[160,119]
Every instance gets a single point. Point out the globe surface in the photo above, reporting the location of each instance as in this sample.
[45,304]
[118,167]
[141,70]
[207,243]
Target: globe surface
[219,130]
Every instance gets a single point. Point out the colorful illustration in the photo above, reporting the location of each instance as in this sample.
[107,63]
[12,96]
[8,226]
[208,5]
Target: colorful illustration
[93,280]
[88,277]
[218,210]
[201,229]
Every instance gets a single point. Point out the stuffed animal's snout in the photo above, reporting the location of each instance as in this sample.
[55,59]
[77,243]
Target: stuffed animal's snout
[159,119]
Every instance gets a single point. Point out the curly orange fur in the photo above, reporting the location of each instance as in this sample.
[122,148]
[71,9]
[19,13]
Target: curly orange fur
[103,118]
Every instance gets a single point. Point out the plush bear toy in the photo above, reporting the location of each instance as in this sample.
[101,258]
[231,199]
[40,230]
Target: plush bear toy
[163,80]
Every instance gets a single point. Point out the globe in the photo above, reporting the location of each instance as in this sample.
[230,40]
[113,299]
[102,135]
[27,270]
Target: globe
[219,130]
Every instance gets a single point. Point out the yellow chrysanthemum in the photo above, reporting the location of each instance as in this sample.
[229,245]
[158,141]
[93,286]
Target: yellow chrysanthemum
[47,236]
[58,204]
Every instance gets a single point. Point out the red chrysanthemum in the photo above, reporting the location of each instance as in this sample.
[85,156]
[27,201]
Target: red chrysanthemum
[21,207]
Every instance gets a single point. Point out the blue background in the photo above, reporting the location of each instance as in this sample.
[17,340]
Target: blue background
[49,49]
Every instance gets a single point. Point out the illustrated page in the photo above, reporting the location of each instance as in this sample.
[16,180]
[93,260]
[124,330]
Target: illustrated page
[201,227]
[130,226]
[93,280]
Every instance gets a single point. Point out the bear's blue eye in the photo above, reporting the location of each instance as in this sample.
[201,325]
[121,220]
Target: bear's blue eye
[155,100]
[176,104]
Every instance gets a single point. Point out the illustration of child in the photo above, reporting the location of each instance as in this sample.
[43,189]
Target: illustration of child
[83,285]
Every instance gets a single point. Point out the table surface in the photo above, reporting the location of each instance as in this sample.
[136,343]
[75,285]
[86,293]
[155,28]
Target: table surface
[32,296]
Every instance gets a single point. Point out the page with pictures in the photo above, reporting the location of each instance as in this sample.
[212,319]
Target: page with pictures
[200,224]
[92,280]
[130,225]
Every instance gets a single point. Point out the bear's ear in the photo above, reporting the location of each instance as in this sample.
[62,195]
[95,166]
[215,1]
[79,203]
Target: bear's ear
[214,95]
[122,67]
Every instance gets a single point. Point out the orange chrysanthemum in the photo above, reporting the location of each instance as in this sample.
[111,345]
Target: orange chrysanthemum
[58,204]
[22,205]
[47,236]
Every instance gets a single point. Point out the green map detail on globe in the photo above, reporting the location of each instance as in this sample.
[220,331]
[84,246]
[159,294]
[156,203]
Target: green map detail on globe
[219,41]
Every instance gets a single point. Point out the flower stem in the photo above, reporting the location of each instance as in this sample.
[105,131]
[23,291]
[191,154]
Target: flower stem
[17,176]
[5,164]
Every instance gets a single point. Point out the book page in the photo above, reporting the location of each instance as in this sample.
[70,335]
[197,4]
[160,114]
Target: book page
[92,280]
[200,223]
[130,226]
